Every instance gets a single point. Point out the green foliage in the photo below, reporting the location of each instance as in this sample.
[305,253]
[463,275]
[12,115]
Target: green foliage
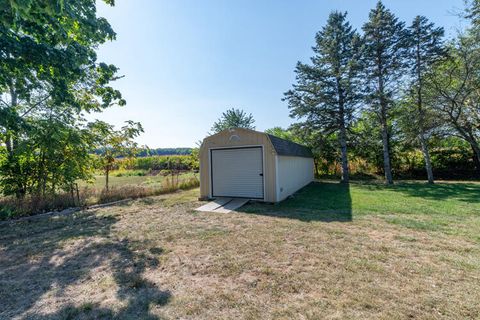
[416,120]
[419,95]
[384,63]
[129,173]
[473,13]
[234,118]
[114,143]
[195,159]
[425,49]
[54,157]
[144,152]
[367,140]
[384,55]
[158,163]
[286,134]
[326,92]
[49,77]
[453,85]
[324,147]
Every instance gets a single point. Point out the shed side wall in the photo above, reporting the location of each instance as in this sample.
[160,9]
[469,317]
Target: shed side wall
[232,139]
[293,174]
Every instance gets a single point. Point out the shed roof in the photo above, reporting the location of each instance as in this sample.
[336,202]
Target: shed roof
[288,148]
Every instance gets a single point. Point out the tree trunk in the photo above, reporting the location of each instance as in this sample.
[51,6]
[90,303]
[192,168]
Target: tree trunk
[78,193]
[343,148]
[476,154]
[107,172]
[386,152]
[385,138]
[8,143]
[11,145]
[421,114]
[470,138]
[315,163]
[387,167]
[426,157]
[343,132]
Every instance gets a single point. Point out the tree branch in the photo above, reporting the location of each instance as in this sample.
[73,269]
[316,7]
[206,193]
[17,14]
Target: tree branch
[34,106]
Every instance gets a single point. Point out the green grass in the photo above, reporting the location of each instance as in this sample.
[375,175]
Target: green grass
[452,208]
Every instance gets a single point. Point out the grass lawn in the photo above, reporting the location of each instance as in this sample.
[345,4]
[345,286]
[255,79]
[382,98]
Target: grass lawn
[332,251]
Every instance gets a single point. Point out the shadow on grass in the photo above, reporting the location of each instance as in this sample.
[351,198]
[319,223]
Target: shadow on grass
[316,202]
[468,192]
[52,256]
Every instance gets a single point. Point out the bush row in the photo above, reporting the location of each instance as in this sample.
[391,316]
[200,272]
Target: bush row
[157,163]
[448,163]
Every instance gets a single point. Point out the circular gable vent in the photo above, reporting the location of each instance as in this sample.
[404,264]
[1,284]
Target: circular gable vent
[234,138]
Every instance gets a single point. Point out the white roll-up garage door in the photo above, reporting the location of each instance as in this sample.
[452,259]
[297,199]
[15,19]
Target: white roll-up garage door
[237,172]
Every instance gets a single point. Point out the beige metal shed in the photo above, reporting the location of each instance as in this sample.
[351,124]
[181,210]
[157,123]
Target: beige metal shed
[243,163]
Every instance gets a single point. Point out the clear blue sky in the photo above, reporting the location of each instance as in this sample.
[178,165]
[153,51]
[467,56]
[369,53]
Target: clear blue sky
[186,61]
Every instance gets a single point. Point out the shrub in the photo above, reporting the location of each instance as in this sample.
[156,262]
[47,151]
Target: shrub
[157,163]
[128,173]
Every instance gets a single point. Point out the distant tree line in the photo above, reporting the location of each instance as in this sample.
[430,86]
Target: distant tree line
[389,92]
[145,152]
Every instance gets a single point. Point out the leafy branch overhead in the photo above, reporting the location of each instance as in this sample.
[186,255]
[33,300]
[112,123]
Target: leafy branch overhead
[49,78]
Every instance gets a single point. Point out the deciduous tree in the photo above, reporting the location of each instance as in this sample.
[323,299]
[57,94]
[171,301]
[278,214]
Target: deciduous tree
[234,118]
[454,83]
[49,70]
[114,144]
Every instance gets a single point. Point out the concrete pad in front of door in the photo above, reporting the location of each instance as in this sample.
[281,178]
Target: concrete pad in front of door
[223,205]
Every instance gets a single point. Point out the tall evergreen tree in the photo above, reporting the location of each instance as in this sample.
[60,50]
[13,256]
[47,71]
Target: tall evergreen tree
[326,91]
[426,47]
[384,63]
[473,13]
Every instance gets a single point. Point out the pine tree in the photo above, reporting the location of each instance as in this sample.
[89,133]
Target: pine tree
[383,63]
[426,47]
[326,91]
[473,13]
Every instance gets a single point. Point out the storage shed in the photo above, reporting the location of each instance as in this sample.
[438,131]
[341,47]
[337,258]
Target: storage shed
[243,163]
